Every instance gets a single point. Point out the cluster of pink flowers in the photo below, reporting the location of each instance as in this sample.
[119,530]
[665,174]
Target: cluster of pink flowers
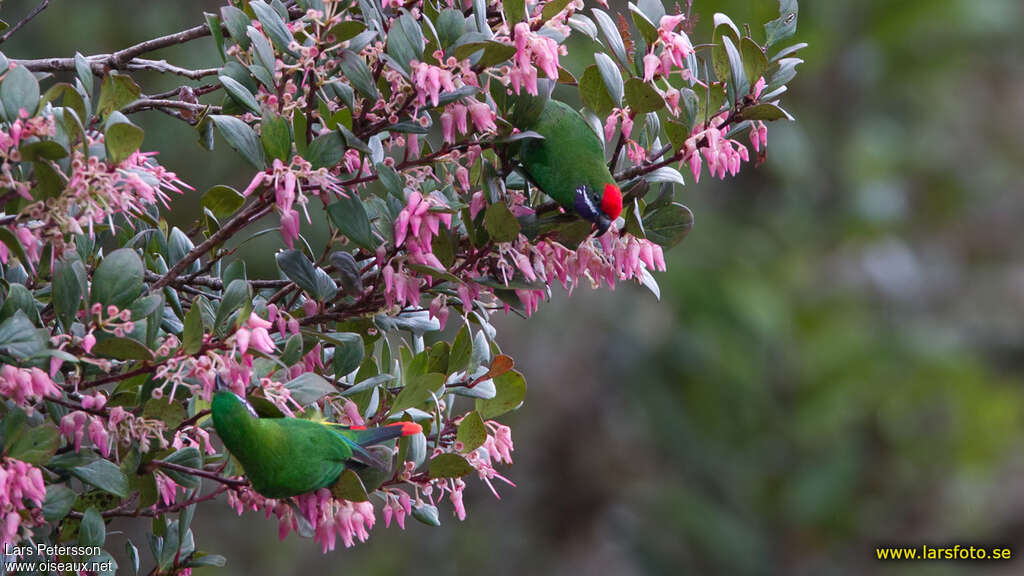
[97,189]
[25,386]
[675,47]
[429,80]
[10,139]
[105,429]
[330,517]
[614,256]
[255,333]
[19,481]
[455,118]
[288,181]
[533,50]
[415,228]
[722,154]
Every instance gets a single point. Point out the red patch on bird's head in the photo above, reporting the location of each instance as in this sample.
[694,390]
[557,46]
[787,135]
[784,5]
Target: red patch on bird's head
[611,201]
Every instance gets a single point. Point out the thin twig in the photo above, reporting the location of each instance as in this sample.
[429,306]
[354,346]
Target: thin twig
[150,104]
[35,11]
[200,473]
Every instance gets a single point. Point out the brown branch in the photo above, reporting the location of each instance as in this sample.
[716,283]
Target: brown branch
[214,283]
[201,473]
[152,104]
[35,12]
[254,212]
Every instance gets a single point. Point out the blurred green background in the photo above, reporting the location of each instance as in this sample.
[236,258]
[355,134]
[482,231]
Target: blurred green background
[837,359]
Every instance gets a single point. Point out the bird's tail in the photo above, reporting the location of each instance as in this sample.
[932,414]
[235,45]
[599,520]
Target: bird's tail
[369,436]
[361,437]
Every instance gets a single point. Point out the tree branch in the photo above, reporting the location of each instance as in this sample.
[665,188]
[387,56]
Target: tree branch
[254,212]
[201,473]
[35,12]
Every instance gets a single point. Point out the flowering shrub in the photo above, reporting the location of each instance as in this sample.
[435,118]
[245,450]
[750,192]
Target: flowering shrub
[403,121]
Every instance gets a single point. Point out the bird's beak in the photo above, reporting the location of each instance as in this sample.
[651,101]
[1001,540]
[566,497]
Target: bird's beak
[602,223]
[220,384]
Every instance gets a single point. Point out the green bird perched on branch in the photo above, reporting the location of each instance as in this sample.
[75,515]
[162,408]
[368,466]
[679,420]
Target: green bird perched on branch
[568,165]
[286,457]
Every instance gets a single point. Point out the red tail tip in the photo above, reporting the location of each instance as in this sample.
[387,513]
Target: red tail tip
[408,428]
[360,427]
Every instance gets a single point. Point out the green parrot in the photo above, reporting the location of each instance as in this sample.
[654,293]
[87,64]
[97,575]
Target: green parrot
[286,457]
[569,166]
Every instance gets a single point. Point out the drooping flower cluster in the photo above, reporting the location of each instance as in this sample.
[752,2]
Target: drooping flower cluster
[533,50]
[25,386]
[288,182]
[19,482]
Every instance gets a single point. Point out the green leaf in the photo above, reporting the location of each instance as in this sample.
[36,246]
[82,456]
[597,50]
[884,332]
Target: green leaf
[355,70]
[36,445]
[461,349]
[326,150]
[665,174]
[242,138]
[19,298]
[611,34]
[511,390]
[785,70]
[417,391]
[121,137]
[19,91]
[69,285]
[348,353]
[189,457]
[118,279]
[277,140]
[668,226]
[471,432]
[739,85]
[122,349]
[236,22]
[646,23]
[754,60]
[500,223]
[59,500]
[611,76]
[84,72]
[223,201]
[449,465]
[19,338]
[515,11]
[213,25]
[784,26]
[593,91]
[767,112]
[92,531]
[192,335]
[116,92]
[642,97]
[11,241]
[426,513]
[308,388]
[264,53]
[273,25]
[347,30]
[104,475]
[312,279]
[552,8]
[349,216]
[42,150]
[405,41]
[349,487]
[236,295]
[240,93]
